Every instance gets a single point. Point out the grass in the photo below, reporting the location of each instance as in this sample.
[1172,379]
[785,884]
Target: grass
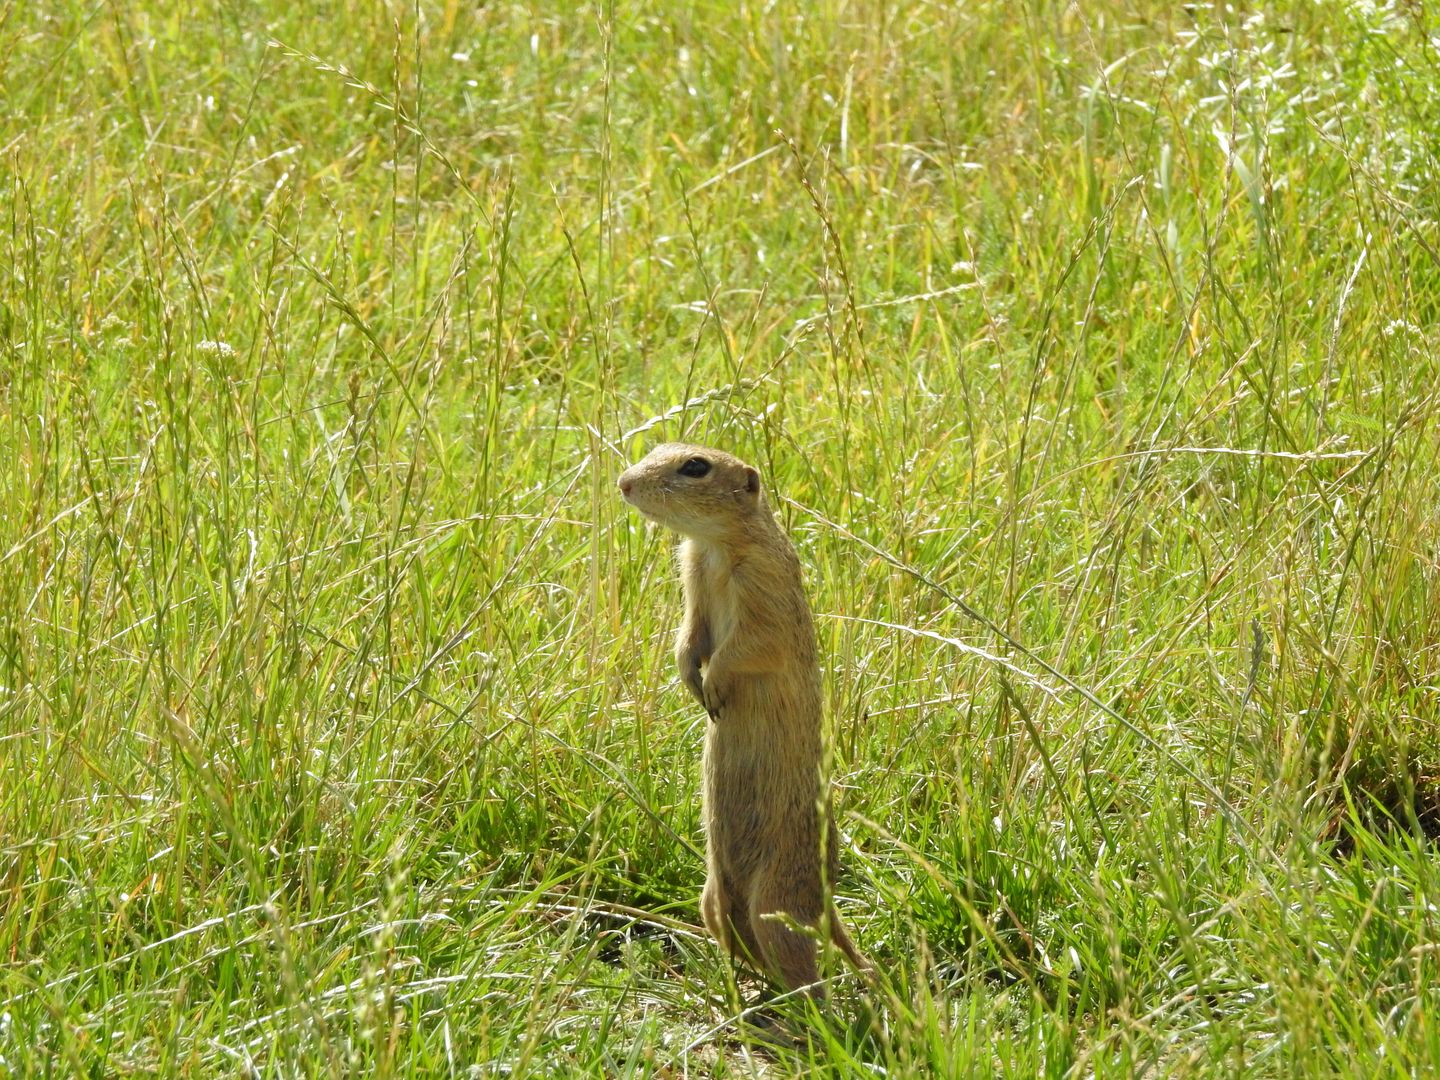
[1090,350]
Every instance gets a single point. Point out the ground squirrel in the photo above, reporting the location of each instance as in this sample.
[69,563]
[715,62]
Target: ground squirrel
[748,653]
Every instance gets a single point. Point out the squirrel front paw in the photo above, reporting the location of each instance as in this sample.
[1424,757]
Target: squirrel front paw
[693,680]
[713,695]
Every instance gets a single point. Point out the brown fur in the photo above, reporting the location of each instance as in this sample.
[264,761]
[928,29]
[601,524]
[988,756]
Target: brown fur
[747,652]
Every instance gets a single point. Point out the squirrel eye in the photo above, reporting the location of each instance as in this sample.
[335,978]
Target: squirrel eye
[696,466]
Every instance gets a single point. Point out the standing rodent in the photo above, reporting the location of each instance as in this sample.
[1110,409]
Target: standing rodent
[748,653]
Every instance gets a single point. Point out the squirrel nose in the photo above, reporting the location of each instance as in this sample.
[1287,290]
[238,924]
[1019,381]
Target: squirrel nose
[625,485]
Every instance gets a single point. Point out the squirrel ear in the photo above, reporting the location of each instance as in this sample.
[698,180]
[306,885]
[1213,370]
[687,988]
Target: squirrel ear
[752,480]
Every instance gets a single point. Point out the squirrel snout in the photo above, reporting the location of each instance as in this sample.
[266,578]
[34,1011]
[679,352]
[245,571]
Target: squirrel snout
[625,484]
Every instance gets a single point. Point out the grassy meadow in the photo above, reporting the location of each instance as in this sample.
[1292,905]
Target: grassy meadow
[1089,351]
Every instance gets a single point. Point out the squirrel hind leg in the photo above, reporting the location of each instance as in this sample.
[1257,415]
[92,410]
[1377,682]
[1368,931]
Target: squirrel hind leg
[728,919]
[715,910]
[786,953]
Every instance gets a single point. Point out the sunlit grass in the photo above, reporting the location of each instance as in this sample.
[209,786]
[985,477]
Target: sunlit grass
[1090,353]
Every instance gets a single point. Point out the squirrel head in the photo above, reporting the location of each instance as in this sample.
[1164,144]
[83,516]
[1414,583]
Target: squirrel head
[698,492]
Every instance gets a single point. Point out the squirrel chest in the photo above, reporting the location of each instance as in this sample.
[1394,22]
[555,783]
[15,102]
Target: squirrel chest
[712,589]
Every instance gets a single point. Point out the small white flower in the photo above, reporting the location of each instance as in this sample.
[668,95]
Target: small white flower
[220,348]
[1398,325]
